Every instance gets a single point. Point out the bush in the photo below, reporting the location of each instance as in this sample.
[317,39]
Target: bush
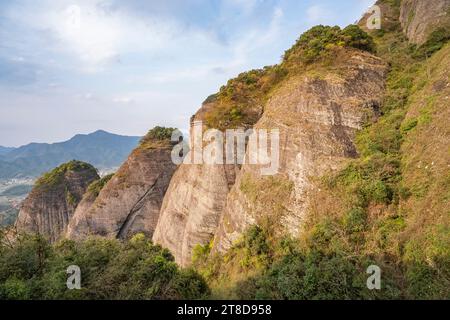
[56,176]
[317,42]
[97,186]
[355,220]
[159,133]
[435,42]
[110,269]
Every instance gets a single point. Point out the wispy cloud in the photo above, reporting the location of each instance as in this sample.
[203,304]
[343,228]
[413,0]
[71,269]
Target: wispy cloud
[128,65]
[319,14]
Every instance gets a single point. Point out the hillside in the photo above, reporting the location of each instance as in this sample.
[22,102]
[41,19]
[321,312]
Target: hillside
[388,206]
[363,183]
[101,149]
[5,150]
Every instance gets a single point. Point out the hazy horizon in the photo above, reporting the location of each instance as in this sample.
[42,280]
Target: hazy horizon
[124,67]
[65,140]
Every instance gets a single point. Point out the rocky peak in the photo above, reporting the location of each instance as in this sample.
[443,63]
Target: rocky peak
[313,109]
[128,202]
[52,202]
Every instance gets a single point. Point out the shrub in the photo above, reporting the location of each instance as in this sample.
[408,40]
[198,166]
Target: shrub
[97,186]
[33,269]
[56,176]
[355,220]
[435,42]
[158,137]
[317,42]
[159,133]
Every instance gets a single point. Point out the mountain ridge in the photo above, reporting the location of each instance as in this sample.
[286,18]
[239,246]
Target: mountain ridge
[101,148]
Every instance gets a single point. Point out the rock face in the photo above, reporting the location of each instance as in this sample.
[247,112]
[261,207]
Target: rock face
[52,202]
[420,18]
[193,204]
[130,202]
[389,17]
[317,117]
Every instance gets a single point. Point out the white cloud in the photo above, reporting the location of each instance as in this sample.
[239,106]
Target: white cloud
[123,100]
[97,36]
[247,6]
[319,14]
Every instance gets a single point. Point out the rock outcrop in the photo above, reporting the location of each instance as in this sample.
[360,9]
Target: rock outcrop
[53,200]
[193,204]
[388,19]
[318,116]
[420,18]
[130,201]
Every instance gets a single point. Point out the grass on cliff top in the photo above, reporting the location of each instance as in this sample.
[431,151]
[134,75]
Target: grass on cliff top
[56,176]
[158,137]
[240,103]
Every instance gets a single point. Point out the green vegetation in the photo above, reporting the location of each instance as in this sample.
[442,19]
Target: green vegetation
[97,186]
[56,177]
[240,103]
[30,268]
[320,41]
[435,42]
[389,207]
[158,137]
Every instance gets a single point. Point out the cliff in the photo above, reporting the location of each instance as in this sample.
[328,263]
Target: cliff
[349,195]
[318,115]
[197,193]
[422,19]
[53,200]
[318,104]
[192,207]
[130,201]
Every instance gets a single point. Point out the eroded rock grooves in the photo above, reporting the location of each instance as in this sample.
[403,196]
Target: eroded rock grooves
[52,202]
[130,202]
[318,118]
[191,209]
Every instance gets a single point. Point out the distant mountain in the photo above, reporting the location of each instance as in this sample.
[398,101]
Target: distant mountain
[101,149]
[5,150]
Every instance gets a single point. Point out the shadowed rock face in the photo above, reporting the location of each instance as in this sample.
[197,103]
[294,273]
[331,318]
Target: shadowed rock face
[318,117]
[130,202]
[420,18]
[52,202]
[193,204]
[191,210]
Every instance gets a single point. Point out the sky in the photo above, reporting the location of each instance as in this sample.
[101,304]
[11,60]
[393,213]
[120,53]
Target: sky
[77,66]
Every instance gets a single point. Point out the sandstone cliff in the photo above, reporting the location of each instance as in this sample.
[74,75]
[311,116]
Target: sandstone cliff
[52,202]
[312,108]
[421,18]
[192,206]
[130,201]
[318,115]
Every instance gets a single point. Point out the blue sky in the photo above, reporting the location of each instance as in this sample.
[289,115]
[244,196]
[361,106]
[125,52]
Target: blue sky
[69,67]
